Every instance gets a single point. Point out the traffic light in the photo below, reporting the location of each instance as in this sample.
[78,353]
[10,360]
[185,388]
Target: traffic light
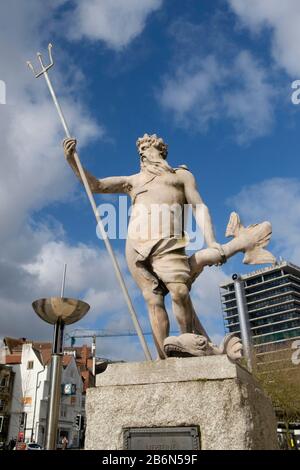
[78,422]
[82,423]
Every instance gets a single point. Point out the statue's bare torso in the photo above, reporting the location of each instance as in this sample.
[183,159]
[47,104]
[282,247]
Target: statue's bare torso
[168,188]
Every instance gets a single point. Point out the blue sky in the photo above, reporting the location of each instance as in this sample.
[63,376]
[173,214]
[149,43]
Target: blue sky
[212,78]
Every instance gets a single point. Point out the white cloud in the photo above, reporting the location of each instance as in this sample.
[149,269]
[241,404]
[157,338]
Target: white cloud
[276,200]
[115,22]
[33,172]
[90,276]
[282,18]
[89,273]
[207,89]
[250,103]
[191,93]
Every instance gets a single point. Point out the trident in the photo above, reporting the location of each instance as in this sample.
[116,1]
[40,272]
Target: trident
[108,246]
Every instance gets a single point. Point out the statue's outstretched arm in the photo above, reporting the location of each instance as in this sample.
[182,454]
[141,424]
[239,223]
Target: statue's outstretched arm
[112,184]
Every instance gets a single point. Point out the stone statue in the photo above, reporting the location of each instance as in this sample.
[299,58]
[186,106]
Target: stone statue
[155,250]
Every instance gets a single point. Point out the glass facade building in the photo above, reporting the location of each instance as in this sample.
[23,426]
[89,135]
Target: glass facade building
[273,300]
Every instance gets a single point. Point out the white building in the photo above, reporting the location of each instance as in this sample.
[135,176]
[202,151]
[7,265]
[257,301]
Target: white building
[30,395]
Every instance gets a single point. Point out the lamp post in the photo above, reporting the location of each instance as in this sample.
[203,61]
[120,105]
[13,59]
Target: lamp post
[244,321]
[58,311]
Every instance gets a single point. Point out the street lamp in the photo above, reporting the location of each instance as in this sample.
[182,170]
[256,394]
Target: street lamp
[58,311]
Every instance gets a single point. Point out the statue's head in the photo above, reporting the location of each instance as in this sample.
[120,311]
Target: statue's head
[148,141]
[153,153]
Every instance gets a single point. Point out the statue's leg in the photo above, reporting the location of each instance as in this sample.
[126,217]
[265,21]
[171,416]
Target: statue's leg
[181,303]
[158,318]
[155,300]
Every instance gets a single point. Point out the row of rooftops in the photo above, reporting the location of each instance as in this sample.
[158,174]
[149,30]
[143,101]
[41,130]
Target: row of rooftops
[14,347]
[43,350]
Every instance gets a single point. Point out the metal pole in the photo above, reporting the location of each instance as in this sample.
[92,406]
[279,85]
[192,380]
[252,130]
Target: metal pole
[244,321]
[94,207]
[37,386]
[94,357]
[55,387]
[62,291]
[55,378]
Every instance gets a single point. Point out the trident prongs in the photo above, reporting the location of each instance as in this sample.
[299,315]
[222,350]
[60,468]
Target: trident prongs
[44,68]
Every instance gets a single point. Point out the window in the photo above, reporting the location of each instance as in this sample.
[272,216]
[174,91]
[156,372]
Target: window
[4,381]
[272,275]
[63,411]
[29,365]
[275,301]
[267,285]
[256,280]
[275,318]
[277,336]
[2,405]
[230,304]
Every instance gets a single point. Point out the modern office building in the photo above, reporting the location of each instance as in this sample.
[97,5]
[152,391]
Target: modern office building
[272,297]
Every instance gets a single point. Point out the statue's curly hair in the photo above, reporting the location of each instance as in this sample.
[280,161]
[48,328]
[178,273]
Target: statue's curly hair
[155,141]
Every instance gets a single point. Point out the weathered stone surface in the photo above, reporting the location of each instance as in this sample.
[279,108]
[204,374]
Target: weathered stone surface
[211,392]
[171,370]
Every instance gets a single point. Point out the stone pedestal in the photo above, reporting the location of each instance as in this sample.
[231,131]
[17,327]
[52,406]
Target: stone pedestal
[211,393]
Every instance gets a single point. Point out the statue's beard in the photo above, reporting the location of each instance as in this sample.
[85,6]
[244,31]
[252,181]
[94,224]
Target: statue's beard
[156,167]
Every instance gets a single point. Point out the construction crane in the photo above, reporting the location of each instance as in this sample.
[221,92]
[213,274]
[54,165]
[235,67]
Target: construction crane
[81,333]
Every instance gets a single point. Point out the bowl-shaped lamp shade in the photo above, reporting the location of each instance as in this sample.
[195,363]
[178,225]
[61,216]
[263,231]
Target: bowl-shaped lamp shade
[60,308]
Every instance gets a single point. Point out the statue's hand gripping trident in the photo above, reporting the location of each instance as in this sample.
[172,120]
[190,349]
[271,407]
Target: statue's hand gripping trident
[44,72]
